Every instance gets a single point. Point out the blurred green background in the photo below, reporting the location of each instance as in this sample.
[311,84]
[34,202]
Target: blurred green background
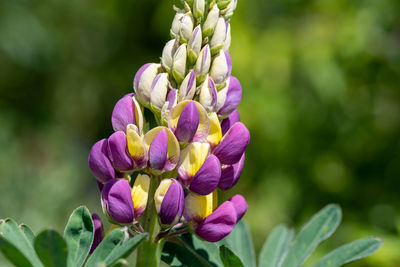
[321,98]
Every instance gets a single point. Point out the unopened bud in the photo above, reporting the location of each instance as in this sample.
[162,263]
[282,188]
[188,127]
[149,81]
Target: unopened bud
[194,45]
[176,24]
[219,36]
[143,81]
[227,42]
[228,11]
[188,87]
[186,27]
[221,67]
[208,95]
[179,64]
[168,54]
[198,8]
[211,21]
[203,64]
[159,90]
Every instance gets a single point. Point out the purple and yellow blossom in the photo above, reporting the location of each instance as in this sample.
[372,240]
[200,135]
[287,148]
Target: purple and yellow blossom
[118,152]
[169,201]
[230,174]
[143,80]
[99,163]
[140,194]
[229,97]
[127,111]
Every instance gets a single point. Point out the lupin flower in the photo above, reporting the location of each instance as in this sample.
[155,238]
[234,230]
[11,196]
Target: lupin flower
[227,42]
[219,36]
[163,149]
[172,98]
[179,63]
[189,122]
[99,163]
[98,232]
[209,224]
[116,200]
[194,45]
[230,174]
[208,95]
[228,122]
[136,147]
[211,21]
[159,89]
[229,97]
[140,193]
[198,8]
[168,54]
[143,80]
[188,87]
[215,134]
[118,152]
[182,26]
[233,144]
[203,64]
[169,201]
[127,111]
[221,67]
[198,170]
[176,24]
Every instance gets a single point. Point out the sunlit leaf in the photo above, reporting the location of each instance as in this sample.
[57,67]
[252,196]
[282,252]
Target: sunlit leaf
[51,249]
[229,259]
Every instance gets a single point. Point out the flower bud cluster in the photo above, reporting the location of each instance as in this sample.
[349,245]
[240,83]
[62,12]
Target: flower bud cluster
[199,144]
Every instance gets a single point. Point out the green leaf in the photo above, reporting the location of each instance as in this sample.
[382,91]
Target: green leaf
[12,253]
[28,232]
[79,234]
[11,233]
[239,241]
[229,259]
[51,249]
[274,248]
[114,247]
[350,252]
[320,227]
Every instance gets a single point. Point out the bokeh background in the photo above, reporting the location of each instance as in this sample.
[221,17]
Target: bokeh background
[321,98]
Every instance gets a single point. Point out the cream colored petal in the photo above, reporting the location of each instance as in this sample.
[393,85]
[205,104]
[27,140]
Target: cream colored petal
[140,192]
[198,207]
[192,157]
[160,193]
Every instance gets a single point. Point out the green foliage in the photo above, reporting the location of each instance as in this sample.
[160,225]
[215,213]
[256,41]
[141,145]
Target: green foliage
[279,250]
[79,234]
[229,259]
[51,249]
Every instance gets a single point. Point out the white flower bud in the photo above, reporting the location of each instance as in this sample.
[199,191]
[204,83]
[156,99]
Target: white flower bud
[188,87]
[203,64]
[227,42]
[211,21]
[167,55]
[186,27]
[179,64]
[221,67]
[228,11]
[219,36]
[208,95]
[176,24]
[198,8]
[194,45]
[159,90]
[143,80]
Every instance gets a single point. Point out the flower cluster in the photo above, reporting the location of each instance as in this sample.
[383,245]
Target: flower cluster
[198,146]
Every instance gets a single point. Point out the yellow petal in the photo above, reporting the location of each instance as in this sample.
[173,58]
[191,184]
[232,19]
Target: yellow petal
[135,144]
[192,157]
[140,192]
[198,207]
[215,134]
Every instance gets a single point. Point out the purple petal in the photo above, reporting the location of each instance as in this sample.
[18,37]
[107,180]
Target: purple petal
[218,224]
[213,92]
[233,97]
[207,177]
[227,123]
[99,163]
[118,152]
[158,150]
[98,232]
[230,174]
[228,62]
[123,113]
[117,201]
[240,205]
[187,123]
[192,79]
[233,144]
[138,74]
[171,98]
[173,204]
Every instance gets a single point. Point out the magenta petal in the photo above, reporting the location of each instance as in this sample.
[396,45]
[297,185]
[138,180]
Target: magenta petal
[98,232]
[99,163]
[218,224]
[233,144]
[138,74]
[233,97]
[230,174]
[158,150]
[228,62]
[171,98]
[123,113]
[227,123]
[117,201]
[118,152]
[173,204]
[240,205]
[207,177]
[187,123]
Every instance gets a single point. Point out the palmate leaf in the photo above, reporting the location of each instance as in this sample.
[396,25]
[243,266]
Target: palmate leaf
[79,234]
[115,246]
[229,259]
[320,227]
[51,249]
[350,252]
[275,248]
[16,246]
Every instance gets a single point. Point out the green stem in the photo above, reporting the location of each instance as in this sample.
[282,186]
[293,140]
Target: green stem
[149,252]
